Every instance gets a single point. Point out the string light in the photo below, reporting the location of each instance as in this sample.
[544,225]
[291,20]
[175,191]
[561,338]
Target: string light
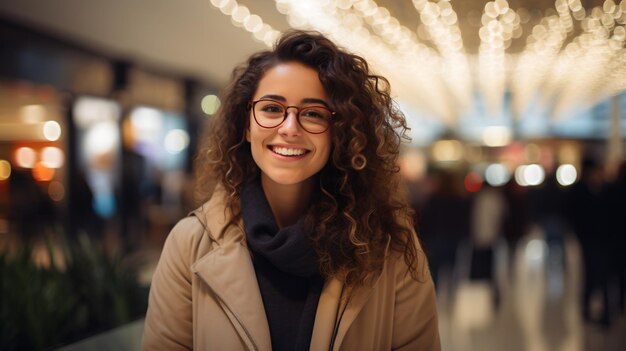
[242,17]
[573,56]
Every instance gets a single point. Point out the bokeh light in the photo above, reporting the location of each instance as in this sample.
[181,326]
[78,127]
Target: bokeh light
[566,174]
[52,130]
[52,157]
[5,169]
[25,157]
[535,250]
[210,104]
[473,182]
[447,150]
[147,124]
[495,136]
[176,141]
[101,138]
[56,190]
[42,173]
[497,174]
[529,175]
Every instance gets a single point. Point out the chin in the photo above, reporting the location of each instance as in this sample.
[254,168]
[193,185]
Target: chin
[288,178]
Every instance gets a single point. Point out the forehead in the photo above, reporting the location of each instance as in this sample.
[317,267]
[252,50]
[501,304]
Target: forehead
[292,80]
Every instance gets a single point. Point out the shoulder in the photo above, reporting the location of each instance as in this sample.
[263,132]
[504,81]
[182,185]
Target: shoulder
[404,252]
[196,234]
[416,268]
[188,240]
[214,214]
[188,230]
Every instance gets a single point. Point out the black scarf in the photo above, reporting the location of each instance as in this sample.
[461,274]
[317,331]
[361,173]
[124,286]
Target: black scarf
[286,268]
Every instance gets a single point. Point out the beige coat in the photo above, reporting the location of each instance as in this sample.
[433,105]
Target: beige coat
[205,296]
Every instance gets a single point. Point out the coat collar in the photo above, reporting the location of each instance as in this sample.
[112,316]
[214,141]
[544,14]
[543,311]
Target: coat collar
[228,271]
[338,308]
[335,298]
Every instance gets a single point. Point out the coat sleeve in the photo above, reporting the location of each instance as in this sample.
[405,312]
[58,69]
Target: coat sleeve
[168,324]
[415,318]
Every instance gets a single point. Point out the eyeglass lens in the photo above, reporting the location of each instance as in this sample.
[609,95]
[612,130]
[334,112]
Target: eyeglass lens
[270,114]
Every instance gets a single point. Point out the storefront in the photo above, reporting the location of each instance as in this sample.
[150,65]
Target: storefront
[103,146]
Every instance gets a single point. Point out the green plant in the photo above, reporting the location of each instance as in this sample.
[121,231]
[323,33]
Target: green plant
[41,307]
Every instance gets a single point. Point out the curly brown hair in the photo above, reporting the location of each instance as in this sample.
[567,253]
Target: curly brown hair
[362,210]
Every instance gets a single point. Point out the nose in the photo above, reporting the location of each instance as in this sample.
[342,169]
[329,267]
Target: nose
[290,126]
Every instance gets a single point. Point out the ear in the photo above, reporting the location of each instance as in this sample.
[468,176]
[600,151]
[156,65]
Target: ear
[248,133]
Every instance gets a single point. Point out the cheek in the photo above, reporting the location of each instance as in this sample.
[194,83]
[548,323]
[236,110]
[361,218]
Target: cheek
[256,137]
[326,145]
[255,134]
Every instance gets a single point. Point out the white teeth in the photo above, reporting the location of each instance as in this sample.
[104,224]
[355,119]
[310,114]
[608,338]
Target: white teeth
[288,151]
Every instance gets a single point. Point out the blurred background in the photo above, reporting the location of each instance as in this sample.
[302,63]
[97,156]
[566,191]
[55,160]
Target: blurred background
[516,167]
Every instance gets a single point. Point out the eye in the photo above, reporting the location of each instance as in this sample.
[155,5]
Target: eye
[272,108]
[315,112]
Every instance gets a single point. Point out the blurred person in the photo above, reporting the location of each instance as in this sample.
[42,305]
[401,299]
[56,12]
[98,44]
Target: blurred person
[85,220]
[305,242]
[617,228]
[547,205]
[587,212]
[516,222]
[487,215]
[547,202]
[444,224]
[31,210]
[133,207]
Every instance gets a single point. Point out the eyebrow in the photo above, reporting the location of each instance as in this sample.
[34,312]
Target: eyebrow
[303,101]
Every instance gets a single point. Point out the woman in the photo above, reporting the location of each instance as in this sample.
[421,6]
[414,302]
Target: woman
[305,241]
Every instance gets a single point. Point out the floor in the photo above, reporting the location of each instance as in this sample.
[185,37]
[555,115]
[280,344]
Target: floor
[539,306]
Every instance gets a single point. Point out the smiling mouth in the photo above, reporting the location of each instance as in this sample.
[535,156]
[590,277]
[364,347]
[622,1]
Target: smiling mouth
[288,151]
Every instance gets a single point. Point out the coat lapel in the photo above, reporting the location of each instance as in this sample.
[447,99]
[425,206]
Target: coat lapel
[355,304]
[329,311]
[229,273]
[325,317]
[332,302]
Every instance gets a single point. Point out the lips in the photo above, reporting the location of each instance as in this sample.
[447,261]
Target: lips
[288,150]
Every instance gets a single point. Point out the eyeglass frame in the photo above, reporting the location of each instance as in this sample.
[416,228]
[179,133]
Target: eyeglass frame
[252,104]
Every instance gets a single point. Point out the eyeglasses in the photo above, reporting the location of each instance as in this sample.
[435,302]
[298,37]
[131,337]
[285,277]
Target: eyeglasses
[315,119]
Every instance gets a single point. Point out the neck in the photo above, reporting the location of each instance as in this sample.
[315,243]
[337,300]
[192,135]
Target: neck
[288,202]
